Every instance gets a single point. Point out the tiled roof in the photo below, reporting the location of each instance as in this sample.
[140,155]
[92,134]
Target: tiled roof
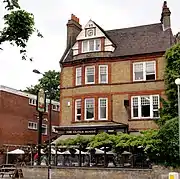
[138,40]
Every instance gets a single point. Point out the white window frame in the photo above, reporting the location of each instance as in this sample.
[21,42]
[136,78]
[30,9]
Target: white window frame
[45,126]
[32,101]
[77,100]
[88,45]
[139,107]
[144,70]
[55,107]
[79,68]
[99,110]
[85,109]
[106,74]
[34,125]
[86,74]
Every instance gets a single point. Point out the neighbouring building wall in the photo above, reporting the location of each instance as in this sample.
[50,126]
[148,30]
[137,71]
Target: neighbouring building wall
[15,114]
[120,87]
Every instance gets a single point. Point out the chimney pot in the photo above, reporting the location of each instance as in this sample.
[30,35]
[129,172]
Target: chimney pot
[165,4]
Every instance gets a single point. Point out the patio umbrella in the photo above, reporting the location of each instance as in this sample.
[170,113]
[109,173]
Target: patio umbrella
[69,153]
[17,151]
[54,152]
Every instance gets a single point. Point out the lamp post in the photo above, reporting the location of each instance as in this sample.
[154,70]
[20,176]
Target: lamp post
[50,125]
[177,81]
[41,108]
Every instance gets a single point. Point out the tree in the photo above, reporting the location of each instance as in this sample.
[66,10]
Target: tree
[169,149]
[172,71]
[19,25]
[49,82]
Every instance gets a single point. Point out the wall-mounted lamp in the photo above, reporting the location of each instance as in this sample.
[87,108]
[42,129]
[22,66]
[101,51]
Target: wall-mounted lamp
[68,104]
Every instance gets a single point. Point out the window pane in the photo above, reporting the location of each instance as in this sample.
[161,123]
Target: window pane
[155,100]
[103,112]
[90,78]
[78,76]
[138,71]
[150,70]
[138,67]
[135,101]
[90,74]
[89,108]
[155,113]
[103,78]
[85,49]
[91,45]
[103,107]
[78,81]
[145,106]
[78,72]
[150,67]
[138,75]
[78,109]
[103,74]
[135,107]
[155,106]
[150,77]
[135,111]
[97,44]
[90,70]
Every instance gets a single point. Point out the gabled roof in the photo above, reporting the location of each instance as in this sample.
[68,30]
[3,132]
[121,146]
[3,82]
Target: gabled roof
[137,40]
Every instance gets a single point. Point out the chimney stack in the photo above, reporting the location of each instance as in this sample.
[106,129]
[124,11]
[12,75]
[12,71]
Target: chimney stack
[177,38]
[165,17]
[73,29]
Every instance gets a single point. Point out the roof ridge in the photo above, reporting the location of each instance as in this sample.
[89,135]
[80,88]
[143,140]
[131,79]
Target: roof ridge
[133,27]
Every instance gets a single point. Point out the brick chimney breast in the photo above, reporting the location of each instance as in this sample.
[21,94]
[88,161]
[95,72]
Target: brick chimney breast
[165,17]
[73,30]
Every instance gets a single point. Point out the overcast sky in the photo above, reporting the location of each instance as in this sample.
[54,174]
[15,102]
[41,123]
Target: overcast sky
[51,18]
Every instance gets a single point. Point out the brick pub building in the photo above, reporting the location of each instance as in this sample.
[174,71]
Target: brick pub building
[19,118]
[114,76]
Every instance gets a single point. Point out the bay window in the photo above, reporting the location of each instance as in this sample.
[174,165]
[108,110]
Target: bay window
[89,109]
[143,71]
[103,104]
[78,110]
[90,75]
[145,106]
[103,73]
[78,76]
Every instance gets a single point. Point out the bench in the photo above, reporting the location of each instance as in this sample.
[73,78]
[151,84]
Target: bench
[11,173]
[7,169]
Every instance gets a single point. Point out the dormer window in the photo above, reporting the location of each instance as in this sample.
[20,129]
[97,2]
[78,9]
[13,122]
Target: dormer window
[91,45]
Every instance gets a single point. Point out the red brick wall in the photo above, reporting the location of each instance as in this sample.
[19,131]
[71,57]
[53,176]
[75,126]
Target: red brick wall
[15,112]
